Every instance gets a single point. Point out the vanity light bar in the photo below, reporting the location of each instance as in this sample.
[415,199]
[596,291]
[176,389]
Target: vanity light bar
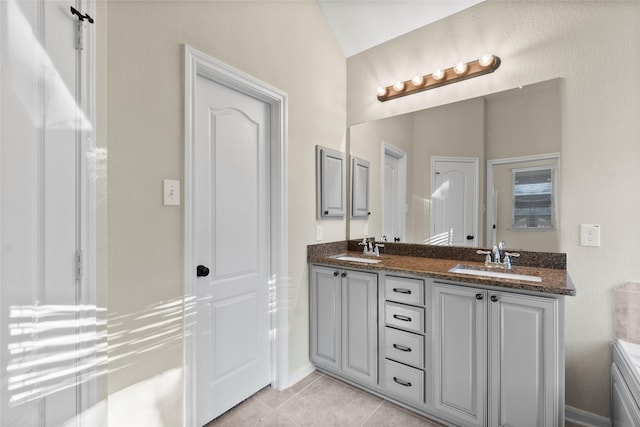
[461,71]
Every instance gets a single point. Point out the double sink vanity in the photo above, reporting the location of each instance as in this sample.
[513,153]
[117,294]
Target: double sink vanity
[434,330]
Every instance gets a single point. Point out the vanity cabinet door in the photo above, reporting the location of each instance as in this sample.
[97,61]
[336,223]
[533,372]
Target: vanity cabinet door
[344,326]
[523,361]
[459,354]
[360,326]
[624,410]
[325,316]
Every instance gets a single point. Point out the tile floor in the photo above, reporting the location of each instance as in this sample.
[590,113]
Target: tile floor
[319,400]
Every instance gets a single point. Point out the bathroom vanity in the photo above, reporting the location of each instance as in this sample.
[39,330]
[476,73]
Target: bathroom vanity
[463,349]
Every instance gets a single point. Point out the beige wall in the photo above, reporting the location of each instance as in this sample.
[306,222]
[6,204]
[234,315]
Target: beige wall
[455,130]
[366,141]
[595,47]
[523,122]
[286,44]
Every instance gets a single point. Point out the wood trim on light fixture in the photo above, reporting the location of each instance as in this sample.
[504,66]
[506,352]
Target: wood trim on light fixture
[474,69]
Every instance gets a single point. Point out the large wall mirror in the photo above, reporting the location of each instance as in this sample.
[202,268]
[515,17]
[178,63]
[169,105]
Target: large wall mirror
[466,174]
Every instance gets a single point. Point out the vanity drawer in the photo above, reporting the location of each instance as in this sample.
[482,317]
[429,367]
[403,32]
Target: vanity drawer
[404,316]
[402,289]
[404,381]
[404,347]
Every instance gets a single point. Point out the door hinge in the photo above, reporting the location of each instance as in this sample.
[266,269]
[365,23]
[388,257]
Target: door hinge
[79,265]
[80,26]
[79,36]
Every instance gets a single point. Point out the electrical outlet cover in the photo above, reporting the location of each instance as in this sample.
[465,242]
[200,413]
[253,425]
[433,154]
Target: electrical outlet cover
[171,190]
[590,234]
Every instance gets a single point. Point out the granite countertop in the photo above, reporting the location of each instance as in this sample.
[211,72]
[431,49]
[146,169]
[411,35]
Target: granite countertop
[554,281]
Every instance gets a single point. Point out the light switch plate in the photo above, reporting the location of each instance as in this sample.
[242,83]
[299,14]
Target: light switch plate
[171,189]
[590,234]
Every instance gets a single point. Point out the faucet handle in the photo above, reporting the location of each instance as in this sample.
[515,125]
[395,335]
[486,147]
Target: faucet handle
[507,258]
[487,259]
[377,248]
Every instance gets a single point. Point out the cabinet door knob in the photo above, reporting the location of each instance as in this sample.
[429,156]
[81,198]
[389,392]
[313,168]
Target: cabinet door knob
[335,273]
[494,298]
[470,237]
[479,297]
[344,274]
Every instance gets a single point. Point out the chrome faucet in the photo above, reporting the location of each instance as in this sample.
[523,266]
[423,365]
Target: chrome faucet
[367,246]
[370,247]
[501,258]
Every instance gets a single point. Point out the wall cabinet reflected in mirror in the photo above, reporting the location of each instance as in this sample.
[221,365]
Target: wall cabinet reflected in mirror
[330,183]
[359,188]
[521,123]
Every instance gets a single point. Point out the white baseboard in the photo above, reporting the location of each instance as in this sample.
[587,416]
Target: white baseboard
[296,376]
[585,418]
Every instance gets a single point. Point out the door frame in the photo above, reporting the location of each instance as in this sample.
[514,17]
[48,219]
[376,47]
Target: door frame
[490,237]
[476,190]
[401,155]
[200,63]
[90,316]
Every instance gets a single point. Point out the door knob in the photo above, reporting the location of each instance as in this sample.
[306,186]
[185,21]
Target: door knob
[470,237]
[479,296]
[202,271]
[494,298]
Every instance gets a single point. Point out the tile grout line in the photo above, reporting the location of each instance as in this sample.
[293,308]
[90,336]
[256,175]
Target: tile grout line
[273,410]
[372,413]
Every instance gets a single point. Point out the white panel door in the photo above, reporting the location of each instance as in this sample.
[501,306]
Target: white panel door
[454,198]
[391,210]
[231,224]
[41,161]
[459,349]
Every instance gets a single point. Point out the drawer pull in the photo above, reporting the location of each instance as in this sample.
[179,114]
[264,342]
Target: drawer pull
[402,291]
[401,347]
[402,383]
[401,317]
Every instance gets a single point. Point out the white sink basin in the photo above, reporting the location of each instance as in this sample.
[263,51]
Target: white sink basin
[357,259]
[463,269]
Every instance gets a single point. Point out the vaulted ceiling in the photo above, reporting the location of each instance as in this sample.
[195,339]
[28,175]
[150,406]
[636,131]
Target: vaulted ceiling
[361,24]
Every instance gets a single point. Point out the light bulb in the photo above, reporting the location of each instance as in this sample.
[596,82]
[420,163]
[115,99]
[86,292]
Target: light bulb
[438,74]
[398,86]
[460,68]
[486,60]
[382,91]
[418,80]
